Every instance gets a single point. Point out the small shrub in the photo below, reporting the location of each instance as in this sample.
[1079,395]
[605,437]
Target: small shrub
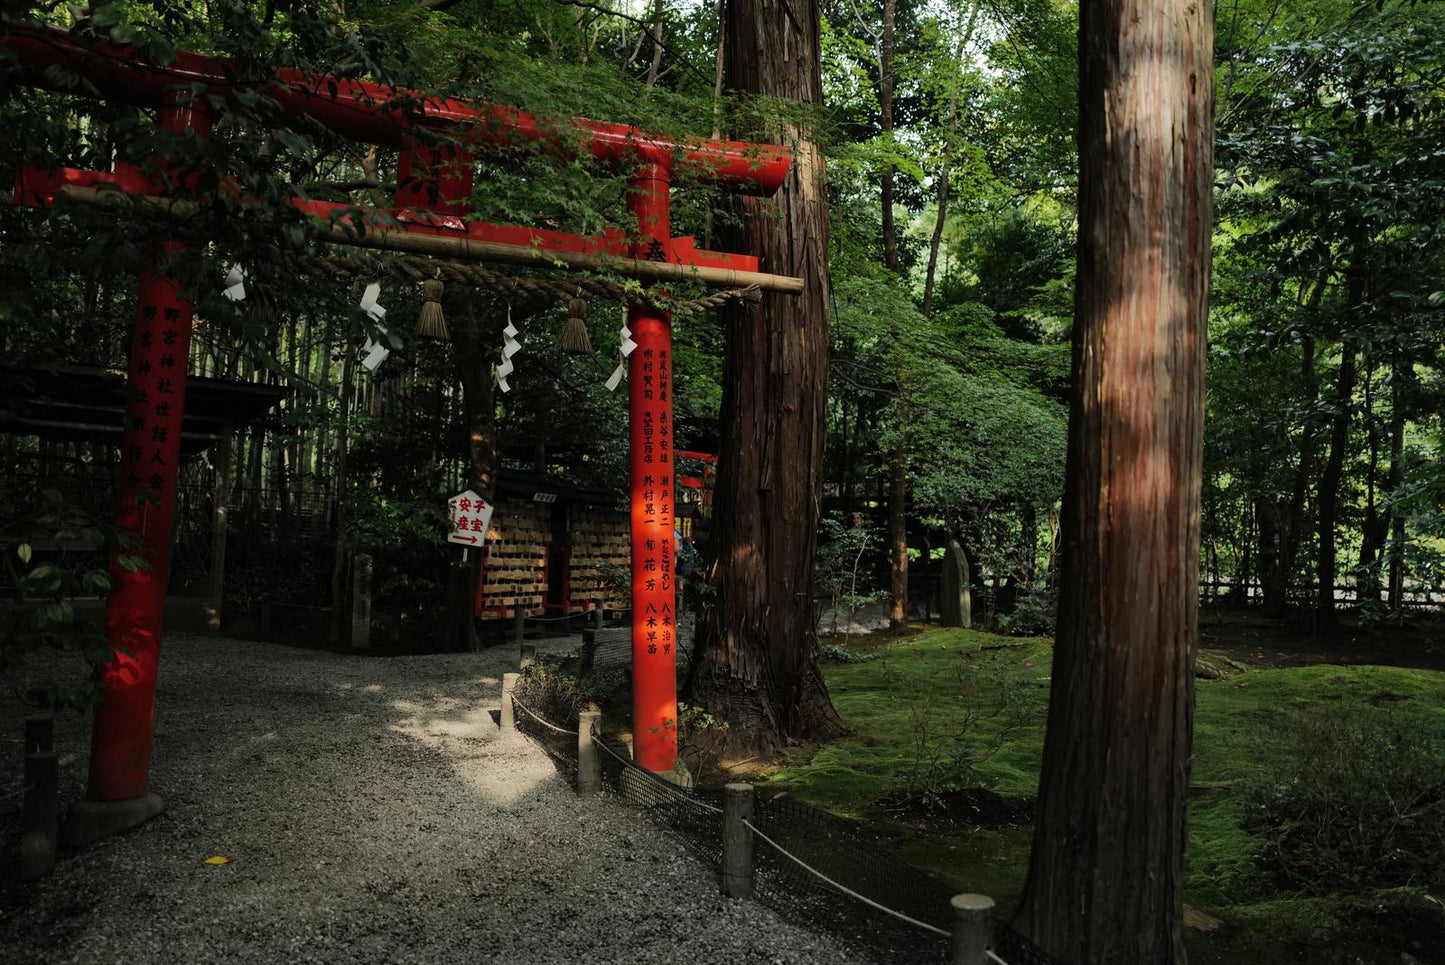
[1033,615]
[1360,805]
[554,695]
[949,748]
[48,652]
[838,654]
[694,722]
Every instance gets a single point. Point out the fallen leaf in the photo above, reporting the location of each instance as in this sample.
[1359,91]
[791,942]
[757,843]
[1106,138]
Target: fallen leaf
[218,859]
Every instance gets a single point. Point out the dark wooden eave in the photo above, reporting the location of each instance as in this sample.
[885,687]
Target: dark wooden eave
[87,403]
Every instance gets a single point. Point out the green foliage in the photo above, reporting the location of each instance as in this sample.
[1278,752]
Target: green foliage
[1033,614]
[403,537]
[694,723]
[844,581]
[912,702]
[1360,803]
[49,651]
[996,704]
[837,653]
[554,694]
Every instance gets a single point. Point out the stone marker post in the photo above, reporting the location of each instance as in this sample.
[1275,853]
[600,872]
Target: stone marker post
[737,841]
[589,766]
[361,602]
[955,608]
[40,809]
[509,684]
[972,929]
[528,655]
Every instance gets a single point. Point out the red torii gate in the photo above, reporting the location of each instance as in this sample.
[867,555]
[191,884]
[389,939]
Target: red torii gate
[118,796]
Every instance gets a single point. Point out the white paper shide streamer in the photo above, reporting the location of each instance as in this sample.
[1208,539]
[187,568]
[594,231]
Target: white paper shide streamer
[624,349]
[235,288]
[374,352]
[369,305]
[510,347]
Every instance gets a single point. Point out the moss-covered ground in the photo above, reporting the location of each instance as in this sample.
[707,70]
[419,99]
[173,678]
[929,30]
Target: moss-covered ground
[941,710]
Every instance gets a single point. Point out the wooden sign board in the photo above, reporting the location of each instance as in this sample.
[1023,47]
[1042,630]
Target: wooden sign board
[470,516]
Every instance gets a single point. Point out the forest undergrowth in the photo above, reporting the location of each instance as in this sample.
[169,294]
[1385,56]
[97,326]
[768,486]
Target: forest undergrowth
[1317,811]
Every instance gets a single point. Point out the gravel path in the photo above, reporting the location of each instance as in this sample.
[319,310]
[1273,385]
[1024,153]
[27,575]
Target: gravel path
[372,813]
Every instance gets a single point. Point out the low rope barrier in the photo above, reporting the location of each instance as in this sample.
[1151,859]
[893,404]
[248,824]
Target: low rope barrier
[664,786]
[17,792]
[841,888]
[792,885]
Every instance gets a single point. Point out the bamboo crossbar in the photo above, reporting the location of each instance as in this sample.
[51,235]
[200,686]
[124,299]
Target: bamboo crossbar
[382,238]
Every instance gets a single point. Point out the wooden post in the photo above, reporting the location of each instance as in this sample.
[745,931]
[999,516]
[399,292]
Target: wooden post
[528,655]
[39,734]
[589,766]
[361,602]
[597,617]
[737,841]
[519,623]
[222,470]
[40,810]
[509,684]
[972,929]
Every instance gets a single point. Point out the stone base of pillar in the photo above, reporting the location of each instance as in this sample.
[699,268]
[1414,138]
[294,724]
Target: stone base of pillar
[679,775]
[89,821]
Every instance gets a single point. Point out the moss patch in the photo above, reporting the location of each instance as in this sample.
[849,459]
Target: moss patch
[911,701]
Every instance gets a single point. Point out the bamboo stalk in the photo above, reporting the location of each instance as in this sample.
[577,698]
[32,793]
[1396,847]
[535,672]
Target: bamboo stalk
[465,249]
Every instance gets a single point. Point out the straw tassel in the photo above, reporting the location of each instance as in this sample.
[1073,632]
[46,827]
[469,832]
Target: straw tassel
[574,339]
[431,323]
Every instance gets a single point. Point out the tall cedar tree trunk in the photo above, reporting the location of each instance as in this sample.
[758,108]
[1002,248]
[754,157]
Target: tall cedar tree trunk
[1375,529]
[1295,518]
[1397,477]
[1325,614]
[887,80]
[458,629]
[340,617]
[1106,875]
[950,142]
[758,669]
[1356,290]
[898,518]
[898,469]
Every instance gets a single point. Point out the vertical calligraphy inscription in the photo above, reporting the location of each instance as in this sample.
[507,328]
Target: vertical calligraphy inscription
[653,590]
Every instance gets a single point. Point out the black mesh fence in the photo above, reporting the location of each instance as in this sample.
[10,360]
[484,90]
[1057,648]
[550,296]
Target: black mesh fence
[1015,949]
[559,743]
[812,867]
[694,816]
[824,872]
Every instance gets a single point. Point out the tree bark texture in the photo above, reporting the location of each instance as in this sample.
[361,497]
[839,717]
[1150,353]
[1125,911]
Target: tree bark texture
[758,667]
[1397,477]
[1106,874]
[458,630]
[1295,518]
[898,518]
[1330,486]
[887,80]
[950,143]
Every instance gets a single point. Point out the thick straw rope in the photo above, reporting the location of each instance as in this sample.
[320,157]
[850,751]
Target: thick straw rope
[551,289]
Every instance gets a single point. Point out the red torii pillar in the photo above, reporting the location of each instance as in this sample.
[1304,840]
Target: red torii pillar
[117,794]
[654,595]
